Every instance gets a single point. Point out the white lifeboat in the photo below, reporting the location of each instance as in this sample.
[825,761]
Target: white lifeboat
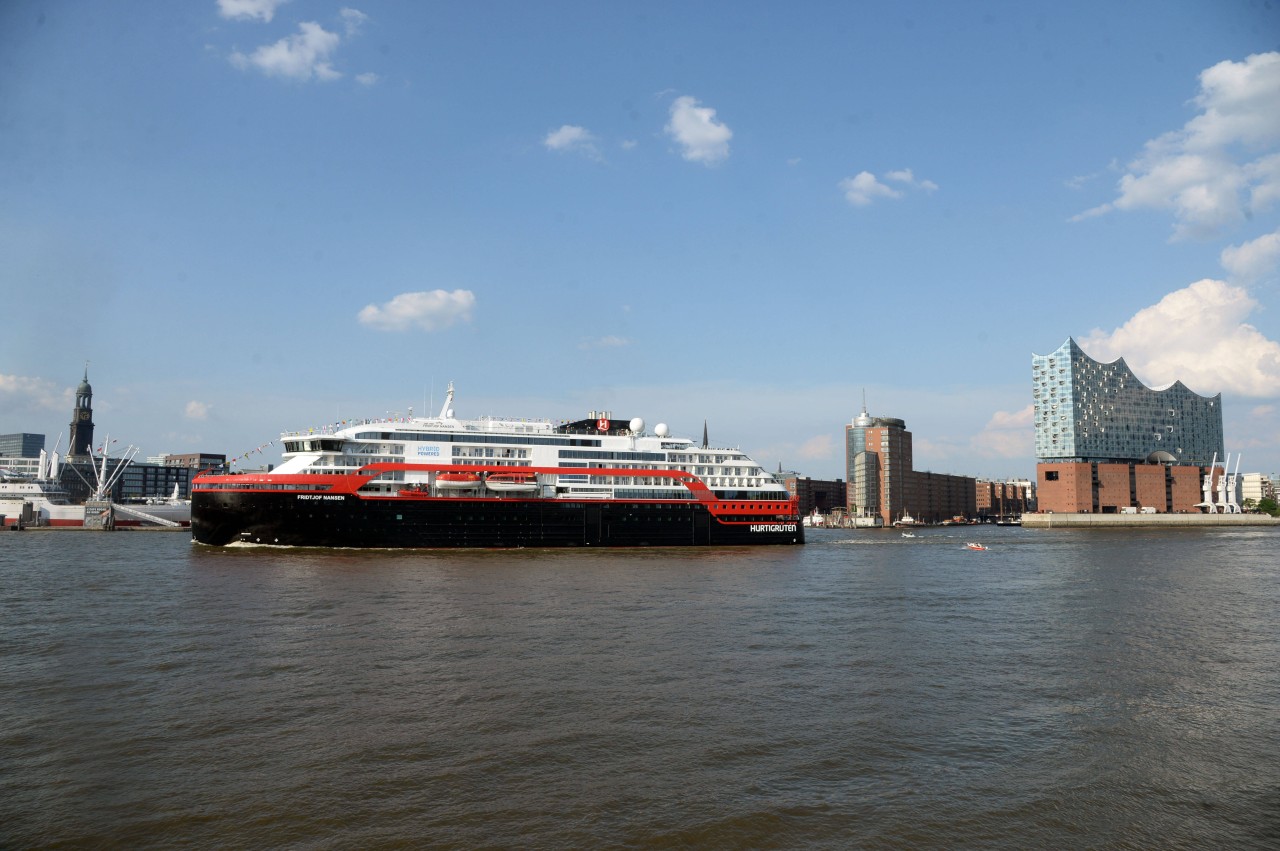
[511,482]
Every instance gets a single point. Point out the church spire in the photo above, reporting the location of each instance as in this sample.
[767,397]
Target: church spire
[82,419]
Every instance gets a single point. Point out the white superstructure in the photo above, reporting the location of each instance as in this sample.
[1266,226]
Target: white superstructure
[598,441]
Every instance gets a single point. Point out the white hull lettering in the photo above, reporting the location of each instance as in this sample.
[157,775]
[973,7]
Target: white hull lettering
[773,527]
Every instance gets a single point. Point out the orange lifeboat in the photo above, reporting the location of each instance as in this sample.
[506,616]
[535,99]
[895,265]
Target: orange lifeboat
[457,481]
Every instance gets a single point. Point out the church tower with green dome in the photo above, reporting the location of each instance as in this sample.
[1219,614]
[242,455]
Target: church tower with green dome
[82,420]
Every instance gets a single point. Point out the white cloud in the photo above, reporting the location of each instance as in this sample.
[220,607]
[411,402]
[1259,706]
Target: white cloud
[263,10]
[1203,172]
[695,129]
[22,393]
[197,410]
[906,177]
[368,78]
[573,139]
[430,311]
[353,19]
[301,56]
[863,188]
[1254,260]
[1008,434]
[609,342]
[1196,335]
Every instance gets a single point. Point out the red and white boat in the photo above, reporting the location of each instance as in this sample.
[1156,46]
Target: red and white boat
[496,482]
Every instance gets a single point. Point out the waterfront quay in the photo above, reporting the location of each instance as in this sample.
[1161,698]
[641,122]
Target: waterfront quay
[1060,520]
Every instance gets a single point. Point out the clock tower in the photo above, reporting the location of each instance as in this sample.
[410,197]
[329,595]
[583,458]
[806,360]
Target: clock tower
[82,419]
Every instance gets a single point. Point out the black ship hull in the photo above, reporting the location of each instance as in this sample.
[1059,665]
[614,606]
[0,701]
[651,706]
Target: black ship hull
[333,520]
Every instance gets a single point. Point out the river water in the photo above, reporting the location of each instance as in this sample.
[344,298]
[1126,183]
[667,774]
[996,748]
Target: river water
[1064,689]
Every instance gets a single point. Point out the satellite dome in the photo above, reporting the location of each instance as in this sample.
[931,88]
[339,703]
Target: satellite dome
[637,425]
[660,429]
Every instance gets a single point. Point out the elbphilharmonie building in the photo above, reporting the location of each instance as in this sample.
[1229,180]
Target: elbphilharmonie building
[1087,411]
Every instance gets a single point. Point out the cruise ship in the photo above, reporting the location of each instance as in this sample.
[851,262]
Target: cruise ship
[496,482]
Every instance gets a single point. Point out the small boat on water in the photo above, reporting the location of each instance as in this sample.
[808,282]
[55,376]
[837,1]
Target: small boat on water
[908,534]
[905,520]
[976,546]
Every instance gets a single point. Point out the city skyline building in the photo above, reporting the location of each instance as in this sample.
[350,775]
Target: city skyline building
[21,445]
[1107,443]
[878,464]
[1090,411]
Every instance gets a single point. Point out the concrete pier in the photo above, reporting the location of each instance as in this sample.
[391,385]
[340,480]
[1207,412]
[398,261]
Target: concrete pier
[1121,521]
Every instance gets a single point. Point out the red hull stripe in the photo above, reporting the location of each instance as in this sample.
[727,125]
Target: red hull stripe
[350,483]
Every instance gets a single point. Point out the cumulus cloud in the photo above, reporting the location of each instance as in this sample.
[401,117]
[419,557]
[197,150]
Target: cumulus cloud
[197,410]
[1254,260]
[1221,166]
[1008,434]
[248,10]
[573,139]
[1197,335]
[702,139]
[430,311]
[301,56]
[864,187]
[23,393]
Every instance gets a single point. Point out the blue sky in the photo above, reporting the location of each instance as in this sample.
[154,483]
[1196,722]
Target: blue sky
[252,216]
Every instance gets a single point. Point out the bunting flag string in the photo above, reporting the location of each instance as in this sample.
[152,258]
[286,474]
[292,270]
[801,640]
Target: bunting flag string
[235,459]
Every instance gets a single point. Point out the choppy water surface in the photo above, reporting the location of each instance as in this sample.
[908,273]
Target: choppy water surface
[1063,689]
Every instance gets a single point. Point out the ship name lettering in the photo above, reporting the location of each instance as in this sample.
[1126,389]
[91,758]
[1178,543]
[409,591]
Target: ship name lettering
[773,527]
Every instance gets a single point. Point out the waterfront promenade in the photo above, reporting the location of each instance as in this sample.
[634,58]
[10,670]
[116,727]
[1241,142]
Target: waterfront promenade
[1056,520]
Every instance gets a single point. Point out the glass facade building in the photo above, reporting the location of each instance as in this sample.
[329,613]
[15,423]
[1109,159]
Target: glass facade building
[878,465]
[1100,412]
[21,445]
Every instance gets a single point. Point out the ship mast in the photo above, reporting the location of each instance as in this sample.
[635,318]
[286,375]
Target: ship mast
[446,412]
